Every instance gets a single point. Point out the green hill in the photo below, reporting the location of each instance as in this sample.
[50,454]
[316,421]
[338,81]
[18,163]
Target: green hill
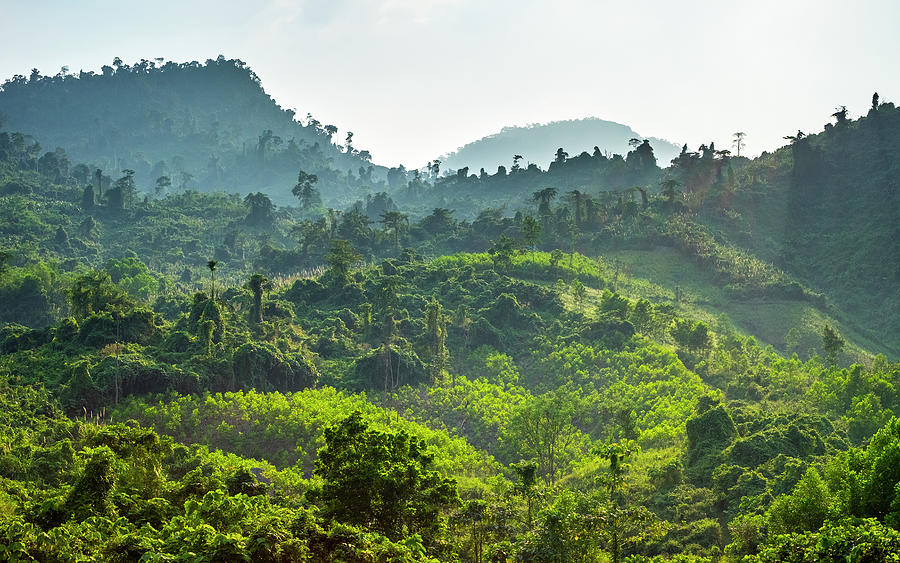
[207,126]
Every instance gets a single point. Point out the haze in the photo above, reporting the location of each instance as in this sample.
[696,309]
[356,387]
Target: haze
[417,78]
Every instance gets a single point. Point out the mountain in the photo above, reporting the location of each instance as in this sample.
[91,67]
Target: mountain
[205,126]
[538,143]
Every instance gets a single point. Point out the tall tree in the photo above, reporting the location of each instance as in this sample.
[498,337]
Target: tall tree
[162,185]
[261,209]
[340,258]
[738,142]
[395,223]
[212,273]
[436,337]
[306,191]
[257,284]
[543,198]
[531,234]
[382,481]
[833,344]
[541,428]
[98,174]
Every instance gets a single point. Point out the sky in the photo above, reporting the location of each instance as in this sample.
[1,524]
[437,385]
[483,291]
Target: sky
[414,79]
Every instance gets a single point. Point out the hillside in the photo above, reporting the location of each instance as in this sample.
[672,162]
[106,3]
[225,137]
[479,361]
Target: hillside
[601,360]
[538,144]
[207,126]
[825,208]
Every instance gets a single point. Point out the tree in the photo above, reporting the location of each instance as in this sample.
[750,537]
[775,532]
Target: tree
[439,222]
[805,509]
[340,257]
[382,481]
[436,338]
[691,335]
[531,234]
[94,292]
[582,206]
[840,115]
[257,284]
[501,252]
[261,209]
[875,101]
[794,138]
[126,187]
[526,485]
[618,522]
[99,175]
[212,273]
[670,190]
[396,223]
[87,198]
[306,191]
[541,428]
[579,292]
[561,156]
[832,343]
[434,168]
[162,185]
[543,198]
[349,141]
[738,142]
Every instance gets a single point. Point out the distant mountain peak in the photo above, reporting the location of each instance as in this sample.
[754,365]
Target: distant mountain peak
[538,142]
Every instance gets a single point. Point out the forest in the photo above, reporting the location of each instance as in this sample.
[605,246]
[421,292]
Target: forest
[226,337]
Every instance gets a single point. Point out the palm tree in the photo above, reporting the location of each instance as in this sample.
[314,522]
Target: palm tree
[543,198]
[212,272]
[396,222]
[739,141]
[582,205]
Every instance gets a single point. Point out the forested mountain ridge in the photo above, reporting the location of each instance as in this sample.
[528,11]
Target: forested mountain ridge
[826,208]
[207,126]
[537,142]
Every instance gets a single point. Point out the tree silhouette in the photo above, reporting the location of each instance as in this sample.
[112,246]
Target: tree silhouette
[396,223]
[306,191]
[738,142]
[212,272]
[99,175]
[582,206]
[543,198]
[840,115]
[162,184]
[794,138]
[261,208]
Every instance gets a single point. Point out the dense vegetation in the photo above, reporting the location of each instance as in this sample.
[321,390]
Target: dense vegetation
[537,365]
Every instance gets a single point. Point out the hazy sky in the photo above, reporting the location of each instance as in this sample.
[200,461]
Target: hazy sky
[417,78]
